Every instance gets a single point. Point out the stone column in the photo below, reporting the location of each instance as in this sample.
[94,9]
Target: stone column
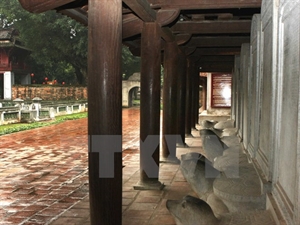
[8,81]
[245,56]
[26,79]
[170,103]
[203,96]
[181,97]
[236,79]
[255,81]
[105,111]
[188,106]
[150,107]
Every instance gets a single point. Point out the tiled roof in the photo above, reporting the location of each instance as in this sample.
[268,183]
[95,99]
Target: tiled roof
[8,34]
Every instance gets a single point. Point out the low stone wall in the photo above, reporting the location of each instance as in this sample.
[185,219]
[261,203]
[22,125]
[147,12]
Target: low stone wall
[49,92]
[29,112]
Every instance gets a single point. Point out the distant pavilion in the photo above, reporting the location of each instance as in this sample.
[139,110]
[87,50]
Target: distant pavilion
[12,66]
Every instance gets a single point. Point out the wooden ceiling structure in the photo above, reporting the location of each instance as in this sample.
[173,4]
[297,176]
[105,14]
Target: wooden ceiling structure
[210,31]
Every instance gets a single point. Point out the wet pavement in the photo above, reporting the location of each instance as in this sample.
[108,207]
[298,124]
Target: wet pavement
[43,174]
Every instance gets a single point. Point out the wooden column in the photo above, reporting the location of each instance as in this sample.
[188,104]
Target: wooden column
[150,107]
[196,112]
[188,107]
[105,111]
[181,98]
[170,103]
[195,92]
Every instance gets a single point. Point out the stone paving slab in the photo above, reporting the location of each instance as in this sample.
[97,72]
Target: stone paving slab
[44,177]
[43,172]
[142,206]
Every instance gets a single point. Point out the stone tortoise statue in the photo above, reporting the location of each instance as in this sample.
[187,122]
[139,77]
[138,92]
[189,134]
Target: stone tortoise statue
[213,183]
[194,211]
[200,174]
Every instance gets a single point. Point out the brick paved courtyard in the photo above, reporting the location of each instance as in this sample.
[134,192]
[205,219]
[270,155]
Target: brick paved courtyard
[44,179]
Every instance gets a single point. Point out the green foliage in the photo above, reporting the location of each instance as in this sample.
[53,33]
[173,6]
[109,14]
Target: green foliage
[58,43]
[11,128]
[130,64]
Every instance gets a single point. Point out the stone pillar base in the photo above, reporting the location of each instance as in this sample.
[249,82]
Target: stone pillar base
[152,185]
[182,145]
[189,136]
[172,160]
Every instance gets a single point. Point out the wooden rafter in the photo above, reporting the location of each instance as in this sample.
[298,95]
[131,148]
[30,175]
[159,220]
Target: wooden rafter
[142,9]
[38,6]
[211,4]
[217,41]
[213,27]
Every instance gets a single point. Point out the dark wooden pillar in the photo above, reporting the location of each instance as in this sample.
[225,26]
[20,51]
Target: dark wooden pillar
[196,112]
[169,136]
[105,112]
[150,107]
[188,107]
[195,92]
[181,98]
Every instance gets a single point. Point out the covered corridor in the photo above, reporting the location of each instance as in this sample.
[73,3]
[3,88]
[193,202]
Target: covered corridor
[256,41]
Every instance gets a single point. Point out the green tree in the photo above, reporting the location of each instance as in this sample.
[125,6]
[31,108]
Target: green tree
[130,64]
[58,43]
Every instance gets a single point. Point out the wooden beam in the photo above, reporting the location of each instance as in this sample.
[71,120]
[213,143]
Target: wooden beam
[167,34]
[166,16]
[215,67]
[216,58]
[38,6]
[219,41]
[213,27]
[211,4]
[142,9]
[217,51]
[188,51]
[132,25]
[79,15]
[182,38]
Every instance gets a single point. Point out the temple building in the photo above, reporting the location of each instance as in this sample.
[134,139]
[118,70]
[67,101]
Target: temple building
[12,66]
